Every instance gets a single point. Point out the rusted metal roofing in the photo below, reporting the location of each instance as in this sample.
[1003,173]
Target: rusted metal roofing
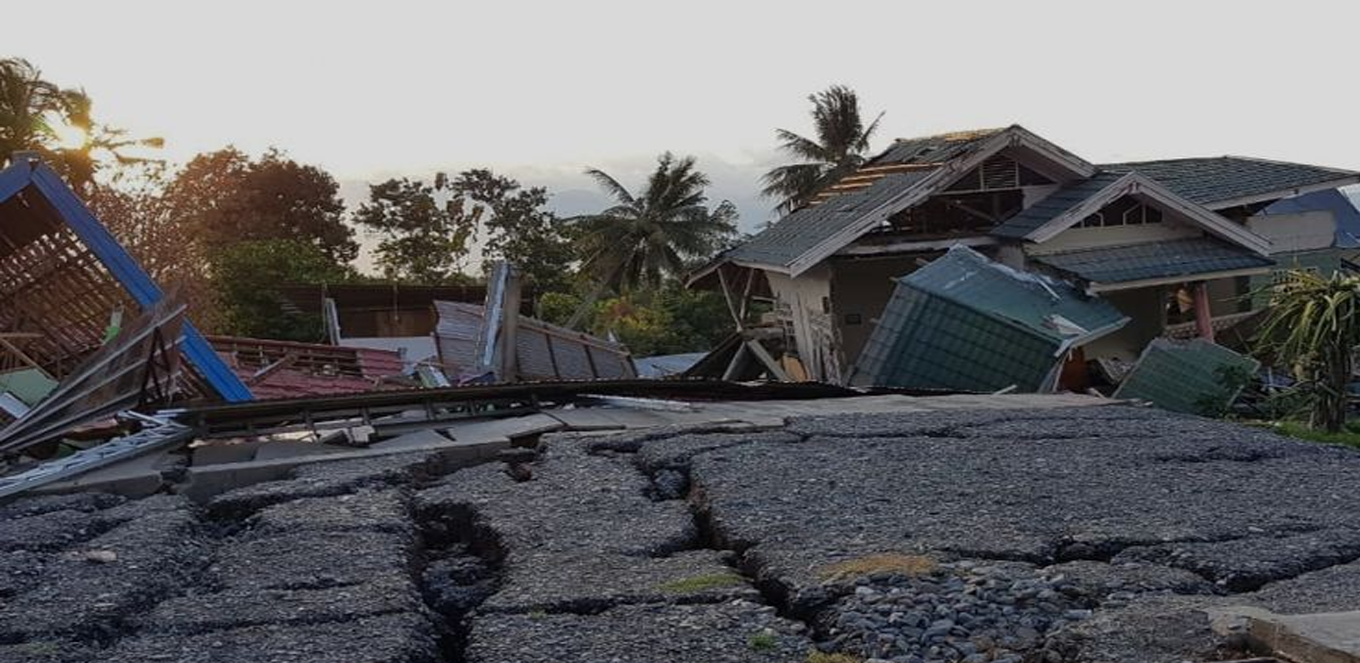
[285,369]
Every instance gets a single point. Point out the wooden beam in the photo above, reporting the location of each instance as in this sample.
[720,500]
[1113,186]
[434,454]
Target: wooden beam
[727,297]
[765,358]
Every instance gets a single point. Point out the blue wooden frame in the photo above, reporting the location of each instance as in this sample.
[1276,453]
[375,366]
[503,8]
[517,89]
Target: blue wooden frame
[120,264]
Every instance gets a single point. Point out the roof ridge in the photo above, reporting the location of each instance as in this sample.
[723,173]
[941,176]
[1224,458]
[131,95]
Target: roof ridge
[961,134]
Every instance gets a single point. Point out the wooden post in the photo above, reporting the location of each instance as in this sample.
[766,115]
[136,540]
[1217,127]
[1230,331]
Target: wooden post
[1204,318]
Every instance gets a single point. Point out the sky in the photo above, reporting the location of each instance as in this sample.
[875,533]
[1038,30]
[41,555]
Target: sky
[541,90]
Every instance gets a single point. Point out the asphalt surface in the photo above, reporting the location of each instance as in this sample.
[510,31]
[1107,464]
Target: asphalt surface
[1089,534]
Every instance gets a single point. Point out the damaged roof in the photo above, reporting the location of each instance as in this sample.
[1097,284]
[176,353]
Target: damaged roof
[933,149]
[796,234]
[912,169]
[964,322]
[1156,260]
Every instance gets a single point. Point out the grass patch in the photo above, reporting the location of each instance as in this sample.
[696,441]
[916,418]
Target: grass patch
[822,657]
[762,641]
[701,583]
[907,565]
[1348,436]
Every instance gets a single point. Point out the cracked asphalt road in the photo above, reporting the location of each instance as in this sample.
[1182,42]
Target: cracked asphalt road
[1086,534]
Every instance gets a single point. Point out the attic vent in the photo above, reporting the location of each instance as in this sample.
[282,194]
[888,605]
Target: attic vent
[999,172]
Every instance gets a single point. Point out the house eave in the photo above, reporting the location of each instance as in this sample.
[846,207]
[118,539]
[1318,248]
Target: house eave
[1284,193]
[1098,287]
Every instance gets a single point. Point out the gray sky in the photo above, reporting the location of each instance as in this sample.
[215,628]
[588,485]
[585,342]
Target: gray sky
[541,90]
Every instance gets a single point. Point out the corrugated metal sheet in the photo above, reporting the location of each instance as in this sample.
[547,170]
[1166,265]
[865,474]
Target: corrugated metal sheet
[285,369]
[543,351]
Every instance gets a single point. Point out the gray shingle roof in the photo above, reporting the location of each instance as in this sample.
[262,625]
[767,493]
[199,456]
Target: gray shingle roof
[1182,257]
[799,232]
[965,322]
[1207,181]
[1057,203]
[933,149]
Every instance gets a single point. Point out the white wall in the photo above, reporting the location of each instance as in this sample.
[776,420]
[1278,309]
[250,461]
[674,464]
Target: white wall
[805,297]
[1290,233]
[1088,238]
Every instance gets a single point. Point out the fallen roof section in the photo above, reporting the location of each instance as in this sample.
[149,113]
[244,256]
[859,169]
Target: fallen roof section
[65,274]
[287,369]
[964,322]
[543,351]
[1193,377]
[139,366]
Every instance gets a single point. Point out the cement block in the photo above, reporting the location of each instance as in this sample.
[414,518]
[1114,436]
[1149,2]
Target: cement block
[204,482]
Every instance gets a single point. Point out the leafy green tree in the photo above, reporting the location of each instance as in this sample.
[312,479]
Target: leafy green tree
[37,115]
[225,197]
[518,228]
[839,148]
[645,238]
[421,239]
[246,275]
[1313,326]
[671,320]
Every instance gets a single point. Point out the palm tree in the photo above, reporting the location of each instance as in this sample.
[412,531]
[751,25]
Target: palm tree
[840,147]
[647,237]
[37,115]
[1314,327]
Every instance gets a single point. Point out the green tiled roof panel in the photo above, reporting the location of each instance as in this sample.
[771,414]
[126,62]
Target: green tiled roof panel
[964,322]
[796,234]
[1019,298]
[1055,205]
[926,342]
[1194,377]
[1208,181]
[1183,257]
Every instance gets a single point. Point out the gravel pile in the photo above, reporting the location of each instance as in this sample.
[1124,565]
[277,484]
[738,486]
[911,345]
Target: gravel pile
[734,632]
[963,612]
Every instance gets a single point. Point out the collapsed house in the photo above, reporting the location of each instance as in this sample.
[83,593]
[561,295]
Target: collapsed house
[65,283]
[1164,242]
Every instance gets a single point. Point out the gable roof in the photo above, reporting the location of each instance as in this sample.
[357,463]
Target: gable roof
[1069,205]
[896,179]
[1229,181]
[42,219]
[1194,256]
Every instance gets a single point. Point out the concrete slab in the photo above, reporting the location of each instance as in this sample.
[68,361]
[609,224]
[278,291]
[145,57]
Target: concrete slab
[500,429]
[292,448]
[224,451]
[413,440]
[135,477]
[1314,638]
[204,482]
